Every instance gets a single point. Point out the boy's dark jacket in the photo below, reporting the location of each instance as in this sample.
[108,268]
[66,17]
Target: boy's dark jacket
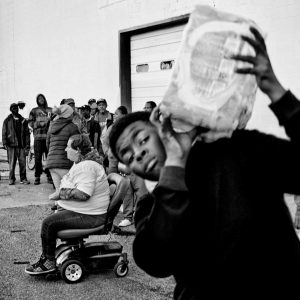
[221,225]
[9,136]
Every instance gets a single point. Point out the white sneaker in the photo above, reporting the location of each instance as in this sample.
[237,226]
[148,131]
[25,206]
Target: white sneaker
[54,196]
[125,223]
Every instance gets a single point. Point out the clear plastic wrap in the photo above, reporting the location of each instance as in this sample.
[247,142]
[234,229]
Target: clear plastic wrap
[204,89]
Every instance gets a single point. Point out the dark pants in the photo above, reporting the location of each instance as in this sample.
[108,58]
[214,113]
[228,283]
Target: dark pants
[65,219]
[136,189]
[128,201]
[39,149]
[14,154]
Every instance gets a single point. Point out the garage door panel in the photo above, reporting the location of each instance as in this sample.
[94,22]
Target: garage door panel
[161,52]
[155,91]
[150,79]
[154,66]
[149,42]
[163,31]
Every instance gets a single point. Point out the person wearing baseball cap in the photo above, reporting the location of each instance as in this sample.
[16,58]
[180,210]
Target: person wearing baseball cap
[94,109]
[91,101]
[70,102]
[93,128]
[78,120]
[16,140]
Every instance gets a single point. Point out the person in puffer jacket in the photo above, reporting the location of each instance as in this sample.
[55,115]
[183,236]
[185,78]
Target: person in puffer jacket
[39,120]
[57,138]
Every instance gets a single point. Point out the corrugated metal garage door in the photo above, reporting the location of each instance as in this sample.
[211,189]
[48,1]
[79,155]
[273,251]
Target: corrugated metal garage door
[152,57]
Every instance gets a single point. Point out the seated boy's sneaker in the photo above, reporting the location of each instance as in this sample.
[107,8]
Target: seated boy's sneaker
[125,223]
[43,266]
[37,180]
[49,180]
[54,196]
[25,181]
[54,207]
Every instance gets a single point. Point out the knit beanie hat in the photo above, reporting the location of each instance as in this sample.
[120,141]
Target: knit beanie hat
[63,111]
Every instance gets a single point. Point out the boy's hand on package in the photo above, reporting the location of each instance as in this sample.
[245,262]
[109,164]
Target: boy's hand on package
[261,66]
[177,145]
[297,218]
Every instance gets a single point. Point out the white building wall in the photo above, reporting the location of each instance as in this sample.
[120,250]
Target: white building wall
[69,48]
[50,47]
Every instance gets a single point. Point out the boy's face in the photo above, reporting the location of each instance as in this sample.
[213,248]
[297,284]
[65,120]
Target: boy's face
[86,113]
[102,107]
[15,109]
[140,148]
[41,100]
[148,107]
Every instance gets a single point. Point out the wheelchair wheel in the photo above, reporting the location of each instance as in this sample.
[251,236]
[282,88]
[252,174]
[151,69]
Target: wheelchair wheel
[30,161]
[72,271]
[121,269]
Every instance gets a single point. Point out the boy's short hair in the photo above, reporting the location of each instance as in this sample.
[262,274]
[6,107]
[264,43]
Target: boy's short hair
[152,103]
[120,125]
[85,107]
[13,105]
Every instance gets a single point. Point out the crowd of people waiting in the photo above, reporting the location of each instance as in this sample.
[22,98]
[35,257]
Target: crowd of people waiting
[51,129]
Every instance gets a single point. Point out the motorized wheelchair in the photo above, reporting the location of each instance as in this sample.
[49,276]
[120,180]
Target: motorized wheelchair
[75,257]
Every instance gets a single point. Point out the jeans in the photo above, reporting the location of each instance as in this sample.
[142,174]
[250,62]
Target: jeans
[39,149]
[128,201]
[14,154]
[136,189]
[65,219]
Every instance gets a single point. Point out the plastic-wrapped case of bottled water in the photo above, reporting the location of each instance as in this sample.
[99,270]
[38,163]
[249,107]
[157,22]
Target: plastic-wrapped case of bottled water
[204,89]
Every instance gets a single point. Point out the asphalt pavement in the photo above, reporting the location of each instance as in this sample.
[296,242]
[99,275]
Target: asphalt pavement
[22,209]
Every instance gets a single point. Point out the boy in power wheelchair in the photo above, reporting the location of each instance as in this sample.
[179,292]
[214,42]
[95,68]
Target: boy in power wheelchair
[85,208]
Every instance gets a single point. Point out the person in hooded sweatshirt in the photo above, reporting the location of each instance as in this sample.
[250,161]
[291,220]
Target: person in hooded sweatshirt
[39,120]
[61,128]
